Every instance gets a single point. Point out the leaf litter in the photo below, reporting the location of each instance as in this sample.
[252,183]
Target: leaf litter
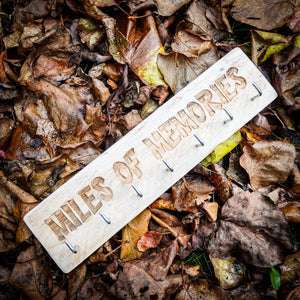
[77,76]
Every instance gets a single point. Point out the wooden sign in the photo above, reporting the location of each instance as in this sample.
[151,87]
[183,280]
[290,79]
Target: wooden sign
[103,197]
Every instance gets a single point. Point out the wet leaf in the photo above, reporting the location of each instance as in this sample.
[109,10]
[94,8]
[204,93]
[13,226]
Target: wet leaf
[202,289]
[150,239]
[221,150]
[229,272]
[262,14]
[275,278]
[253,230]
[268,162]
[132,232]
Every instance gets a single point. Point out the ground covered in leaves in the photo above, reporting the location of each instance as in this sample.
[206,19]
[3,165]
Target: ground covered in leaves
[77,76]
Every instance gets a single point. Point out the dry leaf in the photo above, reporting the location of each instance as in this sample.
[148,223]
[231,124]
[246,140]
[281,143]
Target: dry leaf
[229,272]
[202,289]
[263,14]
[253,230]
[150,239]
[132,232]
[268,162]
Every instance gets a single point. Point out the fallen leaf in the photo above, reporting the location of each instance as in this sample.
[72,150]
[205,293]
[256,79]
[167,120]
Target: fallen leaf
[221,150]
[286,79]
[221,182]
[290,268]
[263,14]
[268,162]
[235,171]
[31,268]
[229,272]
[199,17]
[158,265]
[7,204]
[150,239]
[91,289]
[134,282]
[189,194]
[129,121]
[132,232]
[201,289]
[265,44]
[169,7]
[90,34]
[253,230]
[76,279]
[7,242]
[142,57]
[179,70]
[294,22]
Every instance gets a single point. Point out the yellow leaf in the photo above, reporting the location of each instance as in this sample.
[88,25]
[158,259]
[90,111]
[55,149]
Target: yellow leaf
[221,150]
[132,232]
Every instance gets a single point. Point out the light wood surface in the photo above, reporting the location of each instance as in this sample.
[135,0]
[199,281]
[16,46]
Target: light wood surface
[150,158]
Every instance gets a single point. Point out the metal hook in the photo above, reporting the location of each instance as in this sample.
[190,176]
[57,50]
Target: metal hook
[137,191]
[229,115]
[258,90]
[104,217]
[198,139]
[70,247]
[168,166]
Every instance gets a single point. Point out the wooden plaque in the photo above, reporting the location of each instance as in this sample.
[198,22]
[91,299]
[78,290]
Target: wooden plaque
[93,205]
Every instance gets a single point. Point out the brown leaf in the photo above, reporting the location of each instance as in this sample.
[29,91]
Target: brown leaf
[91,289]
[75,280]
[100,91]
[129,121]
[290,268]
[229,272]
[268,162]
[169,7]
[6,129]
[135,282]
[7,241]
[201,19]
[286,80]
[150,239]
[31,275]
[235,171]
[190,192]
[132,232]
[294,22]
[220,181]
[7,204]
[291,209]
[253,230]
[158,266]
[263,14]
[179,70]
[202,289]
[189,44]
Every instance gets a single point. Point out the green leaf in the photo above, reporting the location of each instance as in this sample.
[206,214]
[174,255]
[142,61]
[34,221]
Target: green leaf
[275,278]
